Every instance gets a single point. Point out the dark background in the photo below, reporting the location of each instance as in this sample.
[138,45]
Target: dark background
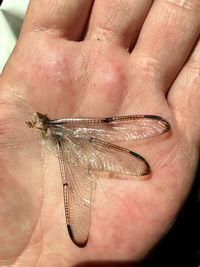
[181,246]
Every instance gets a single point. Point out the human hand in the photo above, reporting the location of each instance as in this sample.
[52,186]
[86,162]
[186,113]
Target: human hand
[56,74]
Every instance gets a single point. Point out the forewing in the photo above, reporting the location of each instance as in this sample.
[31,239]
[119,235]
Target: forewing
[77,191]
[121,128]
[95,154]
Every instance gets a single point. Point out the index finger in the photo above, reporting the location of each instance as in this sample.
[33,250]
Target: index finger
[62,18]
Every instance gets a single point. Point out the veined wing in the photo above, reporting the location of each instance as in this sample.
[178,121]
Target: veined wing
[121,128]
[77,192]
[81,147]
[95,154]
[76,159]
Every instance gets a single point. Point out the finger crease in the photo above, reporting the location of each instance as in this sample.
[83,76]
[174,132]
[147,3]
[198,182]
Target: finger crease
[185,4]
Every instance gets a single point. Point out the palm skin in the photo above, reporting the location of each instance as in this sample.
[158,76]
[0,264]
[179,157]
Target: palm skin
[94,77]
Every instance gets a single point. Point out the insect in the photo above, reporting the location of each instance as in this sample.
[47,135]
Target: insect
[85,144]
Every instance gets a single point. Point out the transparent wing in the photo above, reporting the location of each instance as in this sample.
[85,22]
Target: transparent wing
[95,154]
[76,157]
[77,192]
[122,128]
[81,145]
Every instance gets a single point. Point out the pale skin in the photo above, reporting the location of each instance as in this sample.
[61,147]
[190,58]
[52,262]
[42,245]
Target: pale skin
[51,72]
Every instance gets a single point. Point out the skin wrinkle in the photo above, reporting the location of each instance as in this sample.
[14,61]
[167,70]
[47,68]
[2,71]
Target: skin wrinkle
[103,34]
[172,157]
[101,184]
[182,121]
[188,5]
[194,66]
[109,36]
[53,30]
[8,263]
[148,63]
[188,153]
[46,10]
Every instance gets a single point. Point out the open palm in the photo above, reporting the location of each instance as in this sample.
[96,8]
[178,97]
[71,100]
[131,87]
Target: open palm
[52,73]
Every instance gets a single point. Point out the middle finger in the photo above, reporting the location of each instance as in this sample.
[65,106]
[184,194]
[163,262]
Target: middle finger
[118,21]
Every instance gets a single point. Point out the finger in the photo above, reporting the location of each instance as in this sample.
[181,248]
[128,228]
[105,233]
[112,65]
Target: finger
[184,97]
[167,38]
[63,18]
[117,21]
